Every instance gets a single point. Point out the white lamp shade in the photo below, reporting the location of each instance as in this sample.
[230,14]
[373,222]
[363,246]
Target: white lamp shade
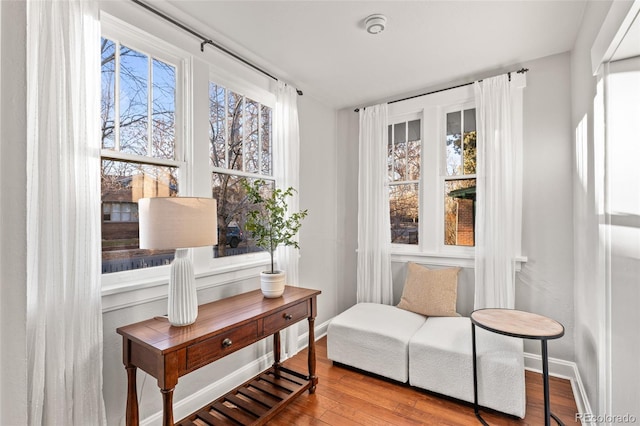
[177,222]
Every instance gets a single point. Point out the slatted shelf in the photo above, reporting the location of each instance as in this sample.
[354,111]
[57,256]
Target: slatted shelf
[252,403]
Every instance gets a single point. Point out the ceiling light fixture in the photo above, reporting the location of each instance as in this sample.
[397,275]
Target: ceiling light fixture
[375,24]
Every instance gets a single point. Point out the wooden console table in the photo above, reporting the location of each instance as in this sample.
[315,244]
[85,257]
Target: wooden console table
[224,326]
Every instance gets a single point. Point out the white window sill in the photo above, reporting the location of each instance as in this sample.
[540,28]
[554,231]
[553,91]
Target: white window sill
[137,290]
[462,260]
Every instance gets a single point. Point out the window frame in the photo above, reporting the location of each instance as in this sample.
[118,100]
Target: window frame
[129,24]
[222,78]
[431,248]
[443,178]
[432,110]
[405,118]
[125,34]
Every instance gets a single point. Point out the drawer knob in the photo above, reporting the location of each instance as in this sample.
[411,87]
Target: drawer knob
[227,342]
[287,316]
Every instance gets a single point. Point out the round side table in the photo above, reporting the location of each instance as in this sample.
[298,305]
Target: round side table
[524,325]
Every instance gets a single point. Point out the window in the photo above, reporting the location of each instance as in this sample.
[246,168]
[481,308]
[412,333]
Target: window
[240,134]
[431,167]
[119,212]
[459,179]
[139,148]
[403,162]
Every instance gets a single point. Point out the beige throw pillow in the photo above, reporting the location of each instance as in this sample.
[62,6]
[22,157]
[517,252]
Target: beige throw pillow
[430,292]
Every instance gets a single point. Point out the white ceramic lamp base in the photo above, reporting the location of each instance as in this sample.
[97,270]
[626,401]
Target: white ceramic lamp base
[183,299]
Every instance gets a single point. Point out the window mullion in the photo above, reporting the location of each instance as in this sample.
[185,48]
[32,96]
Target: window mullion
[260,171]
[244,133]
[392,166]
[226,128]
[406,150]
[150,106]
[116,97]
[462,141]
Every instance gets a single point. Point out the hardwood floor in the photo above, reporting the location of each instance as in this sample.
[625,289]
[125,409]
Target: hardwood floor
[347,397]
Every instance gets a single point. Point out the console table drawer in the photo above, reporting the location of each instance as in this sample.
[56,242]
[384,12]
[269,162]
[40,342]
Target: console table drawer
[285,317]
[218,346]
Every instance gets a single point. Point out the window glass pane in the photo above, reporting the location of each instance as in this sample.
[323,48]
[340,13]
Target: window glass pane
[134,87]
[469,120]
[453,141]
[106,212]
[400,132]
[216,125]
[108,98]
[413,130]
[413,160]
[265,140]
[400,161]
[390,153]
[403,206]
[252,149]
[164,110]
[122,185]
[232,212]
[235,131]
[469,153]
[460,210]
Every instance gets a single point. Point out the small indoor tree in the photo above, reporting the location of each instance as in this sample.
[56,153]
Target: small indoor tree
[268,221]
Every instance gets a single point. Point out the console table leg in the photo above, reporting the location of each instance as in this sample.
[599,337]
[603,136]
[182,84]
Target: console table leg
[167,407]
[312,355]
[276,350]
[132,397]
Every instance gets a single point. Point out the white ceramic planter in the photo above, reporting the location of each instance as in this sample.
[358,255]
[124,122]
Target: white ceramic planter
[272,285]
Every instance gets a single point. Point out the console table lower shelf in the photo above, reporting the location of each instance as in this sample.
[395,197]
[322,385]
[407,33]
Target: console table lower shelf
[254,402]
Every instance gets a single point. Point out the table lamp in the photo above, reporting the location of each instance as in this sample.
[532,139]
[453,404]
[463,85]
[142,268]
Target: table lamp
[179,223]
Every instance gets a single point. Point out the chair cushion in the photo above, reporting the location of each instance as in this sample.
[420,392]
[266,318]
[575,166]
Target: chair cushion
[375,338]
[441,360]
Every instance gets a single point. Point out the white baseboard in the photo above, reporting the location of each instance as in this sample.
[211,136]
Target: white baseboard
[564,370]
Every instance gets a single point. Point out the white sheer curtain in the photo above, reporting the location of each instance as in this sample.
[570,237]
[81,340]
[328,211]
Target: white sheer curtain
[374,228]
[499,188]
[287,169]
[64,316]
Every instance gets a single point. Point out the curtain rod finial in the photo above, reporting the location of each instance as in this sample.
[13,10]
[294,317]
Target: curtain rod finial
[203,43]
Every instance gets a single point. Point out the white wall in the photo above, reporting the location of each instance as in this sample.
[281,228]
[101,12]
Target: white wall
[13,371]
[623,209]
[318,193]
[589,268]
[347,209]
[545,284]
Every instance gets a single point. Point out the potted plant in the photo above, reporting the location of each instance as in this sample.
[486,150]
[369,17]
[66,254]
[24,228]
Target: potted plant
[271,227]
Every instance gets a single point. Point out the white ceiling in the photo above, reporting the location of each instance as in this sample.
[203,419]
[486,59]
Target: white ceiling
[322,48]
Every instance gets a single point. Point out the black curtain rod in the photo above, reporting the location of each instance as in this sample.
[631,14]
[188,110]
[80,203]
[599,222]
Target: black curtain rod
[206,40]
[520,71]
